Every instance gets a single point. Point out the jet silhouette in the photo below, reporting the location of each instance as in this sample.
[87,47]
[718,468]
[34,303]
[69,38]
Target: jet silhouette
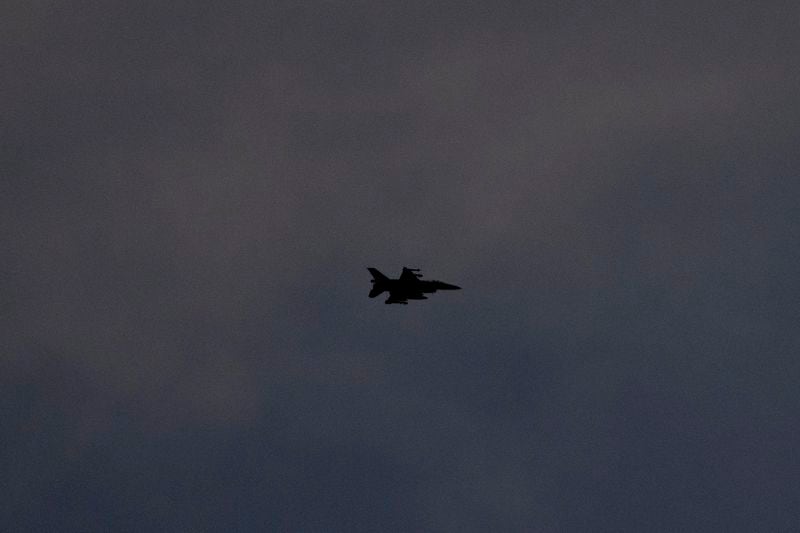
[407,287]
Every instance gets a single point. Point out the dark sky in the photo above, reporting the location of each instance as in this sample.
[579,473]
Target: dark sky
[191,192]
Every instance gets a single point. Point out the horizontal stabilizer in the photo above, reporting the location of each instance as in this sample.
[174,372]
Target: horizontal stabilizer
[376,291]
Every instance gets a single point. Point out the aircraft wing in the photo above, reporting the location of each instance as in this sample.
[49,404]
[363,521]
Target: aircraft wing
[409,275]
[397,297]
[402,295]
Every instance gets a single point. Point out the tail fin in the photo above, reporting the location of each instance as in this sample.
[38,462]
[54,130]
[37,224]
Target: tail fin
[378,281]
[376,275]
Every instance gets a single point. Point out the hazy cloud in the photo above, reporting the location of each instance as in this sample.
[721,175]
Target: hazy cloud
[192,194]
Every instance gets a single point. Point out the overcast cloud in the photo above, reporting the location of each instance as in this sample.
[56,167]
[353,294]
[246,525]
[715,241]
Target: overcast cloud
[191,194]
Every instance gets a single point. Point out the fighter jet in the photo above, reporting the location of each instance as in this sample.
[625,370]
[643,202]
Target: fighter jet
[407,287]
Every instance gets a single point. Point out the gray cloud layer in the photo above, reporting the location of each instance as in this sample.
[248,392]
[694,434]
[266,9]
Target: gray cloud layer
[192,194]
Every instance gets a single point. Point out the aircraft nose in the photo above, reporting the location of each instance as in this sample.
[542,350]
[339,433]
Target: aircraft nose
[449,287]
